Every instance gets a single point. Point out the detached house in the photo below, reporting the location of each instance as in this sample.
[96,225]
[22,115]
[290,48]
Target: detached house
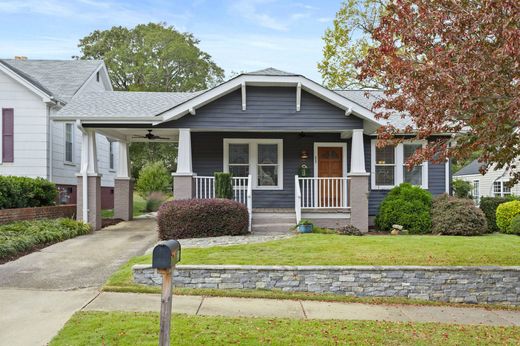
[33,145]
[294,147]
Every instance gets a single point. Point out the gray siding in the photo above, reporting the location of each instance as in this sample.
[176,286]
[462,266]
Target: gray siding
[208,156]
[269,108]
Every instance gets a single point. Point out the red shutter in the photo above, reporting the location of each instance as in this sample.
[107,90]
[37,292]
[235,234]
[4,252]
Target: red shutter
[7,135]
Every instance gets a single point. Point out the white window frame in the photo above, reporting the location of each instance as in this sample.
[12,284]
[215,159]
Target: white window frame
[398,167]
[501,193]
[476,188]
[73,147]
[253,159]
[341,145]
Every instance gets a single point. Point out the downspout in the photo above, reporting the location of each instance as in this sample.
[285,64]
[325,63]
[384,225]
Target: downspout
[84,174]
[50,142]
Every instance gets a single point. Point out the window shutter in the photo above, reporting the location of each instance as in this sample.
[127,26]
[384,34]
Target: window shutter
[7,135]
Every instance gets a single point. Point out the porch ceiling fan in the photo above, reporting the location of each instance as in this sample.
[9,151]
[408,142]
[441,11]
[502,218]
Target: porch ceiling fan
[150,136]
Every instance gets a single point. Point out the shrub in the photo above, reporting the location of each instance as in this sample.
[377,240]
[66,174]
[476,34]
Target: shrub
[349,230]
[457,216]
[489,207]
[195,218]
[461,188]
[320,230]
[153,177]
[20,237]
[515,225]
[23,192]
[408,206]
[505,213]
[223,185]
[154,201]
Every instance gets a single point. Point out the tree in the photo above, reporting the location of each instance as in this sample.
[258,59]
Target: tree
[454,67]
[347,42]
[154,177]
[152,57]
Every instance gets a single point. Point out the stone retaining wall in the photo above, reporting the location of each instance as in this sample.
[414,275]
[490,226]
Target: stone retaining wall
[493,285]
[37,213]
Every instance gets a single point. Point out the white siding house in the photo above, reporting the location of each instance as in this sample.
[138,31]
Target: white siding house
[33,91]
[491,184]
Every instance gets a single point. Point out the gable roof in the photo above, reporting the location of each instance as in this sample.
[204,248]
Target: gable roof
[270,71]
[472,168]
[124,104]
[60,79]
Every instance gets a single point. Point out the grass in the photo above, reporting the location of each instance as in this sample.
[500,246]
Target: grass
[139,208]
[22,237]
[120,328]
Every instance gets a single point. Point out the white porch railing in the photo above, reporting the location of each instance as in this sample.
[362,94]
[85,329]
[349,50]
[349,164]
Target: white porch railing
[322,192]
[242,191]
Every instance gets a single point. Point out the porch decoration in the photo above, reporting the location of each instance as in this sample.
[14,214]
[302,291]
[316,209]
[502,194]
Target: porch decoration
[303,171]
[223,185]
[305,226]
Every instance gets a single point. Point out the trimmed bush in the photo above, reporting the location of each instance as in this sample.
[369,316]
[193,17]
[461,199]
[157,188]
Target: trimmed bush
[223,185]
[349,230]
[408,206]
[462,188]
[489,207]
[515,225]
[153,177]
[457,216]
[505,213]
[20,237]
[23,192]
[196,218]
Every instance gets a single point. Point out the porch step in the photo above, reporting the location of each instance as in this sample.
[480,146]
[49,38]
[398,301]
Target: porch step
[274,218]
[273,228]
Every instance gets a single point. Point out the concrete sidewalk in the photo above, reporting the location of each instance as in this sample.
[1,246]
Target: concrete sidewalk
[248,307]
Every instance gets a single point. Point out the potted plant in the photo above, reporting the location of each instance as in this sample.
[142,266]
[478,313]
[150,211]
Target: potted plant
[304,226]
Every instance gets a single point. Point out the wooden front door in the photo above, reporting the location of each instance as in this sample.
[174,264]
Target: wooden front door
[330,165]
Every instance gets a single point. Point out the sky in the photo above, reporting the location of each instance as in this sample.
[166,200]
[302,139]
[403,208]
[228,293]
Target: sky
[240,35]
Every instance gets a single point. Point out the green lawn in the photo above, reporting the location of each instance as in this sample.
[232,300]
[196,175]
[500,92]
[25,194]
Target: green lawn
[139,207]
[118,328]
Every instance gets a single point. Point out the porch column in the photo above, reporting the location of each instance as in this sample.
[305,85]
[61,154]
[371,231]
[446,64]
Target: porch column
[358,183]
[123,185]
[89,191]
[183,177]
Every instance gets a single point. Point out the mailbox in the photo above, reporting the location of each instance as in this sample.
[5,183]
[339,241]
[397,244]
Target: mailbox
[166,254]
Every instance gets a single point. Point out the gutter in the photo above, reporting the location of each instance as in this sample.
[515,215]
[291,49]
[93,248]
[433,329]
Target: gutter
[84,174]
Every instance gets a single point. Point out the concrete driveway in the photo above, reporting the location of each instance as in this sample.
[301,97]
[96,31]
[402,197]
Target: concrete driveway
[39,292]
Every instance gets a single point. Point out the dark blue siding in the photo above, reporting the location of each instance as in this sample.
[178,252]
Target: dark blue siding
[269,108]
[208,156]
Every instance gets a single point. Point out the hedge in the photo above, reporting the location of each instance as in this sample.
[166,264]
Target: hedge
[515,225]
[196,218]
[408,206]
[457,216]
[23,236]
[23,192]
[489,207]
[505,213]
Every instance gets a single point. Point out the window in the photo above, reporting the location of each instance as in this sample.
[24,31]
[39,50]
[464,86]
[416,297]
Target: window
[69,142]
[385,166]
[389,169]
[97,76]
[111,154]
[500,189]
[413,176]
[260,158]
[7,135]
[476,191]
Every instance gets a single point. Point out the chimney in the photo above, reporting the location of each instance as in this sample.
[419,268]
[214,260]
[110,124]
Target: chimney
[20,57]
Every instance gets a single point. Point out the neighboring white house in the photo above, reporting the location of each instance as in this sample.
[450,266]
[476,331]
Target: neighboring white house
[33,145]
[491,184]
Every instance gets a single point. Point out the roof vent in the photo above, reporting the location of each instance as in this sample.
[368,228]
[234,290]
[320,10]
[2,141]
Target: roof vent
[20,57]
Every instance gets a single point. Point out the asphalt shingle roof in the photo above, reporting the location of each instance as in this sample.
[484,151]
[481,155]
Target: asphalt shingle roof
[124,103]
[471,168]
[270,71]
[60,78]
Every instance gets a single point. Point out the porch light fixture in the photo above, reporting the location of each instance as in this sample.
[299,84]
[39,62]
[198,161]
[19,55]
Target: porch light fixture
[304,155]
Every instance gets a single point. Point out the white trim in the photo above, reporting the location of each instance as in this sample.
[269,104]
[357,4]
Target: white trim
[447,181]
[298,96]
[235,83]
[243,87]
[253,159]
[103,77]
[73,149]
[330,144]
[476,198]
[45,97]
[398,166]
[184,159]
